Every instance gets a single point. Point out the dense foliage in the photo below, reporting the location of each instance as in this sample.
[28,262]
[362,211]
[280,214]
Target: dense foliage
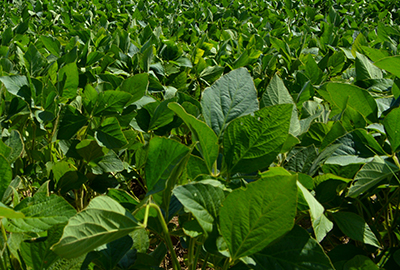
[252,134]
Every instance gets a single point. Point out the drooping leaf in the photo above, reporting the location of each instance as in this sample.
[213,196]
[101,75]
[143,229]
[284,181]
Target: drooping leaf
[372,174]
[202,200]
[277,93]
[231,96]
[251,218]
[365,69]
[252,142]
[111,103]
[68,79]
[71,122]
[296,250]
[356,228]
[110,135]
[340,95]
[103,221]
[163,155]
[392,128]
[136,86]
[321,224]
[18,85]
[41,213]
[391,64]
[208,141]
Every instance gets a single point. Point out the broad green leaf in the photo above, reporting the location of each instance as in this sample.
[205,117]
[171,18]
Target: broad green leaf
[163,155]
[360,262]
[5,150]
[391,64]
[51,44]
[203,201]
[18,85]
[108,163]
[340,95]
[365,69]
[111,103]
[60,168]
[251,218]
[71,180]
[7,212]
[392,128]
[124,198]
[37,254]
[296,250]
[41,213]
[252,142]
[141,241]
[161,116]
[136,86]
[34,60]
[356,228]
[103,221]
[277,93]
[231,96]
[71,122]
[68,80]
[108,256]
[312,71]
[208,141]
[5,175]
[110,135]
[301,159]
[321,224]
[90,150]
[372,174]
[14,141]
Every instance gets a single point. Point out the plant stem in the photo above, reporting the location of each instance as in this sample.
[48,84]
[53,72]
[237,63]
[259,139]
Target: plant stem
[3,264]
[196,257]
[226,264]
[167,237]
[205,261]
[191,257]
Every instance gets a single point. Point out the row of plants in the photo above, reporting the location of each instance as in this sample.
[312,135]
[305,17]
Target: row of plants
[250,134]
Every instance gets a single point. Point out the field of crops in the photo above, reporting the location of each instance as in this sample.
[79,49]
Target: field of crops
[195,134]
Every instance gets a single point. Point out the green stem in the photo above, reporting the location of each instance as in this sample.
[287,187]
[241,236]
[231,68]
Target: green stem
[226,264]
[3,264]
[196,256]
[205,261]
[191,263]
[146,215]
[167,237]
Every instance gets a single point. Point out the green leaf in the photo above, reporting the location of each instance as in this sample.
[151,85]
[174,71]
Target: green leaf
[277,93]
[103,221]
[5,176]
[14,141]
[321,224]
[41,213]
[161,116]
[89,150]
[7,212]
[163,155]
[372,174]
[68,79]
[312,71]
[251,218]
[360,262]
[18,86]
[231,96]
[37,254]
[71,180]
[356,228]
[252,142]
[365,69]
[296,250]
[34,60]
[208,141]
[108,256]
[111,103]
[136,86]
[51,44]
[108,163]
[391,64]
[123,198]
[392,128]
[341,95]
[71,122]
[110,135]
[203,201]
